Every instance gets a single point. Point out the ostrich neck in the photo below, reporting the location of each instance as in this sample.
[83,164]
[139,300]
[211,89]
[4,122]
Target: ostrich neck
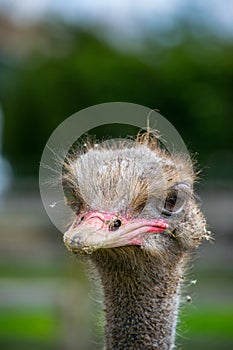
[140,304]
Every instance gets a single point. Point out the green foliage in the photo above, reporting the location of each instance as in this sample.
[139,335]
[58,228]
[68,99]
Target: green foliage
[190,83]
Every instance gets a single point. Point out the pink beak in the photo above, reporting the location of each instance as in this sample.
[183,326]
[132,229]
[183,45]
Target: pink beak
[96,230]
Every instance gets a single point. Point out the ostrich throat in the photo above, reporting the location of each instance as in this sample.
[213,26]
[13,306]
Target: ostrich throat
[141,298]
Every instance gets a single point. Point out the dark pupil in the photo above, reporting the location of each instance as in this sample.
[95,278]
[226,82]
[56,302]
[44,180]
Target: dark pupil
[170,201]
[115,225]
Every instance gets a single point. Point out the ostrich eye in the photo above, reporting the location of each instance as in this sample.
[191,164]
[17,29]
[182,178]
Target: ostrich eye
[170,201]
[175,200]
[115,225]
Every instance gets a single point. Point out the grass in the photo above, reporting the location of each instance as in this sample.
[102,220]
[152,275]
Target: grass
[202,327]
[206,327]
[212,320]
[42,325]
[25,270]
[29,324]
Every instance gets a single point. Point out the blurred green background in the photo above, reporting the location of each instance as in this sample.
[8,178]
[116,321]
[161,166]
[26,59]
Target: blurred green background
[56,62]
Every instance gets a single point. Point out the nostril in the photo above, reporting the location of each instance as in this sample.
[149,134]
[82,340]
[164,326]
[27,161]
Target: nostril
[75,240]
[114,225]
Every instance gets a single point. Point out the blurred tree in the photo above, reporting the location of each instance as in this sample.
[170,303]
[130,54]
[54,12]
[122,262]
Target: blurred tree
[190,83]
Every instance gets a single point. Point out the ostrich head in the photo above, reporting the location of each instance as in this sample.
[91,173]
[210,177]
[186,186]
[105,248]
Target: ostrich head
[132,194]
[136,217]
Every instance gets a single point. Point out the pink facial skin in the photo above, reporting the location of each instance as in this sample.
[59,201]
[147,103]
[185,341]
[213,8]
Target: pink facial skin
[96,230]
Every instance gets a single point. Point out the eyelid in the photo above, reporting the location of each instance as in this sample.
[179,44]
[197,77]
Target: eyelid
[184,185]
[182,191]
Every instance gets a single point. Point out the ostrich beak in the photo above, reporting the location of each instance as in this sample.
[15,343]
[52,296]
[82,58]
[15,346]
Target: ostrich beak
[97,230]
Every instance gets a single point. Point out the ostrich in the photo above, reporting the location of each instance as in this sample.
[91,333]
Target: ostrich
[137,220]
